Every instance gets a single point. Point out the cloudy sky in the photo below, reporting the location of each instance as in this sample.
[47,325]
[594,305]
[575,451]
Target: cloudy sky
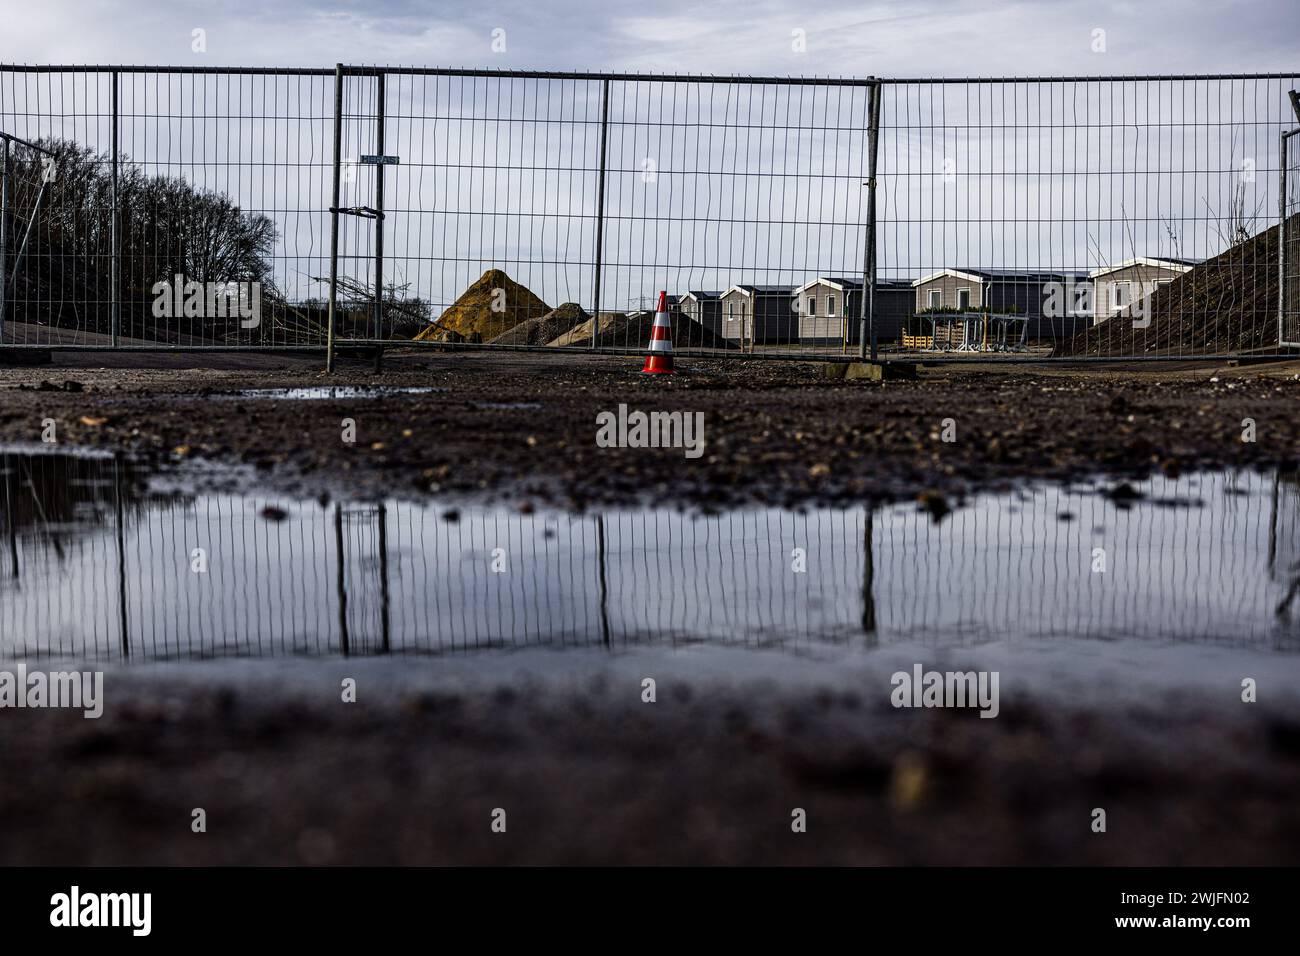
[754,184]
[894,37]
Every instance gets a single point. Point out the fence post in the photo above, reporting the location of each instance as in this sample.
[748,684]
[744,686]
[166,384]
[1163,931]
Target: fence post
[341,581]
[1282,239]
[119,525]
[379,206]
[869,578]
[385,600]
[8,468]
[867,322]
[600,209]
[115,240]
[4,231]
[334,219]
[1281,242]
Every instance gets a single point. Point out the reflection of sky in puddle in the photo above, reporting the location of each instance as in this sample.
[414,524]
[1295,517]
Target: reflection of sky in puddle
[103,569]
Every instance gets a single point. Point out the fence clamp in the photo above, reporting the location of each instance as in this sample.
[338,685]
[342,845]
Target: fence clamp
[365,212]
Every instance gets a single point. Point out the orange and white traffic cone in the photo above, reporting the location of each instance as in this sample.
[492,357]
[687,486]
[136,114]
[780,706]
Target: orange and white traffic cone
[660,359]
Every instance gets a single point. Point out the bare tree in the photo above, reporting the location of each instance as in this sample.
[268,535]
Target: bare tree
[168,227]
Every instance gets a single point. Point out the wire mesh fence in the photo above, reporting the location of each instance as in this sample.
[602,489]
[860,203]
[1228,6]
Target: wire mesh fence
[1052,218]
[1125,218]
[536,210]
[181,209]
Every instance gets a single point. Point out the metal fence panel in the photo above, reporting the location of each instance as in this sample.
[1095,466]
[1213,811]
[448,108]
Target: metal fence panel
[1015,219]
[522,205]
[1103,218]
[221,178]
[494,179]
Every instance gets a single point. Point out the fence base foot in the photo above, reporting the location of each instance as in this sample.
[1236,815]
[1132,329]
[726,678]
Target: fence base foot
[25,357]
[360,352]
[870,371]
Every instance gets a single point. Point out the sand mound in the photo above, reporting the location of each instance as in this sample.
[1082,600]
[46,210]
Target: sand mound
[621,330]
[581,334]
[1225,304]
[472,314]
[545,328]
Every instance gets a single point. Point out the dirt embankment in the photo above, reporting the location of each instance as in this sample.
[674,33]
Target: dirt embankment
[524,428]
[1225,305]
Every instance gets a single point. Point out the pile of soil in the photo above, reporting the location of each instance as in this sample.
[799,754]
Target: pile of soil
[632,331]
[580,334]
[546,328]
[1227,304]
[472,313]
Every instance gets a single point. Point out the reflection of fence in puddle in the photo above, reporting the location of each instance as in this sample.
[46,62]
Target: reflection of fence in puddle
[365,579]
[1190,561]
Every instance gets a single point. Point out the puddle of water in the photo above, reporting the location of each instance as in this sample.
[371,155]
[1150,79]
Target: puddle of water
[96,563]
[320,392]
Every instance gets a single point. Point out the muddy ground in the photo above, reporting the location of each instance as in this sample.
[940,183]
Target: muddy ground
[587,772]
[522,427]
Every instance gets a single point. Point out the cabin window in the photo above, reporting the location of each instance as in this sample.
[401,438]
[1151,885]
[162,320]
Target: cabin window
[830,306]
[936,298]
[1121,295]
[812,305]
[963,299]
